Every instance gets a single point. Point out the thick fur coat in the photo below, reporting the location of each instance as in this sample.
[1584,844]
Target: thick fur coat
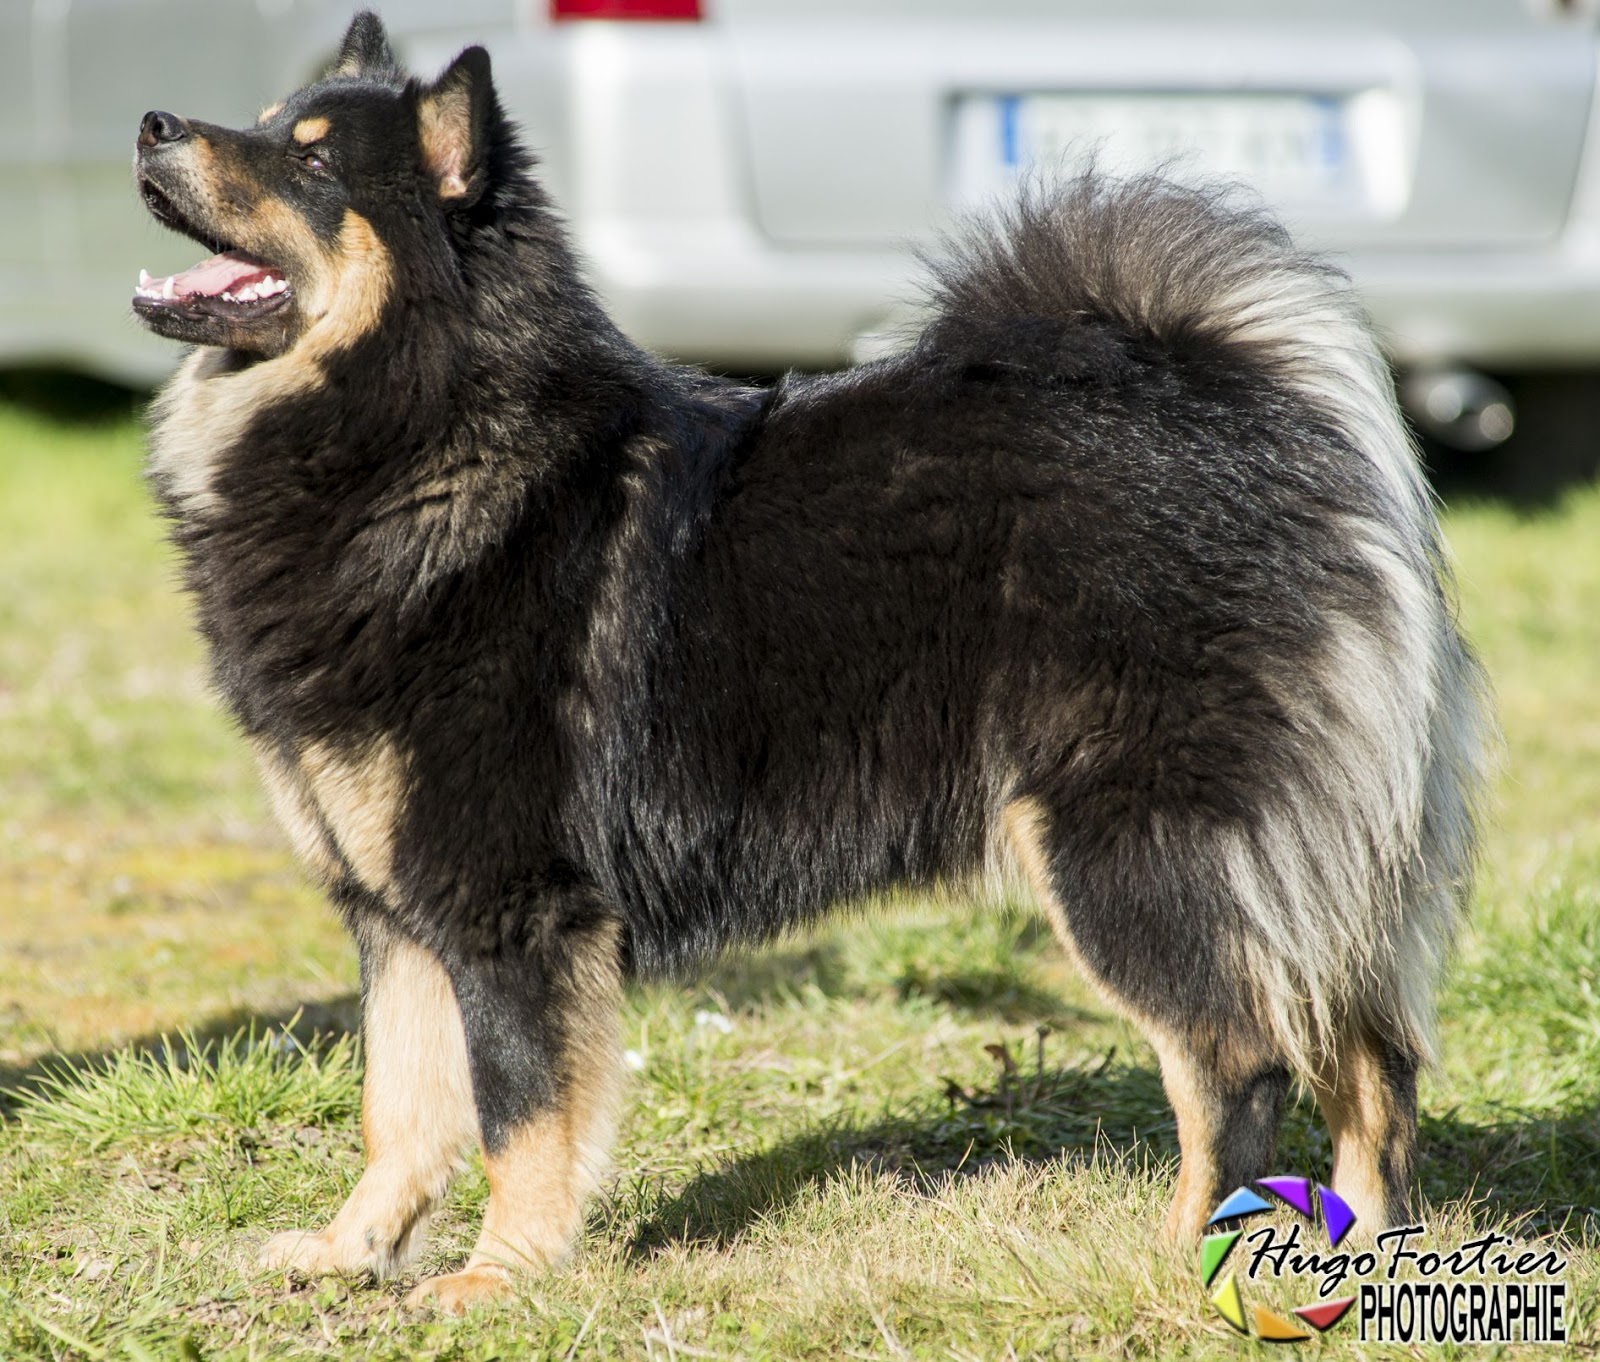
[566,666]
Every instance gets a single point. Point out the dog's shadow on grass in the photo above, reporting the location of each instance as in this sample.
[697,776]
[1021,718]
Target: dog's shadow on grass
[1030,1114]
[1540,1171]
[1004,993]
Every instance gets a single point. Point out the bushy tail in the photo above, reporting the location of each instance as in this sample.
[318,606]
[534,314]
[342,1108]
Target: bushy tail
[1353,885]
[1188,267]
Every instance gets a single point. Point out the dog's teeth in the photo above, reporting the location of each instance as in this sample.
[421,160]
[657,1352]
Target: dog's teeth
[227,297]
[167,289]
[144,278]
[247,294]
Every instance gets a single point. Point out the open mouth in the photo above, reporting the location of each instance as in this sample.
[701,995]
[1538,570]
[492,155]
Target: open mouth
[231,284]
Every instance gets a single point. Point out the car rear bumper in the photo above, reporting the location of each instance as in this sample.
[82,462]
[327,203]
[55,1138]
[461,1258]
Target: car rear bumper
[1495,311]
[730,298]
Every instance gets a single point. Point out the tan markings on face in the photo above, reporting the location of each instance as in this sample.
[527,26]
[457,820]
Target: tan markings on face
[309,130]
[444,128]
[201,415]
[541,1177]
[275,231]
[215,179]
[360,795]
[203,159]
[417,1116]
[340,287]
[296,811]
[340,292]
[346,298]
[269,113]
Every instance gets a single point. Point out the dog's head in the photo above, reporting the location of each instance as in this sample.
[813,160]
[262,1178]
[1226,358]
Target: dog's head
[339,196]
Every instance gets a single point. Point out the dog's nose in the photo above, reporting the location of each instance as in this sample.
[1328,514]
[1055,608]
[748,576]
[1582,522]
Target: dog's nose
[157,127]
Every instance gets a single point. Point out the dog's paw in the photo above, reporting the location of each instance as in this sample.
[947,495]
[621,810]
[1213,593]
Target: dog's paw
[309,1254]
[453,1292]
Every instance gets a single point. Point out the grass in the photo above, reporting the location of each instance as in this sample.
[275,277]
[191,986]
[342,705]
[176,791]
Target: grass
[914,1136]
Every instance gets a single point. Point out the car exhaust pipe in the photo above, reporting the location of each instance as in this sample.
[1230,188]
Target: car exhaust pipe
[1460,408]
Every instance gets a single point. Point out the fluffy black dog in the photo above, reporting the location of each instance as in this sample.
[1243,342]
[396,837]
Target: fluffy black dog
[564,665]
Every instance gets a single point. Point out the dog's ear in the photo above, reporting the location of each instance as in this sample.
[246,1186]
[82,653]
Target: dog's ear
[455,117]
[365,50]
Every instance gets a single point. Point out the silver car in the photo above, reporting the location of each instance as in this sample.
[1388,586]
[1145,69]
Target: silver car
[746,176]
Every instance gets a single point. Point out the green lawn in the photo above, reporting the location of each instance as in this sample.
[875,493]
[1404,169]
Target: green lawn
[824,1154]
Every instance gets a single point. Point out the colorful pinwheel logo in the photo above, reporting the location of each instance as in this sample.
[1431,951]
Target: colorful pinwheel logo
[1295,1193]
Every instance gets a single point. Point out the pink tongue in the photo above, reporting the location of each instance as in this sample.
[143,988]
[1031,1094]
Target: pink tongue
[225,273]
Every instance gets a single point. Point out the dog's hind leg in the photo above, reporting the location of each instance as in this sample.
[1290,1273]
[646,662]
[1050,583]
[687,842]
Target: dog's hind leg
[1228,1098]
[417,1114]
[1145,930]
[1368,1095]
[546,1072]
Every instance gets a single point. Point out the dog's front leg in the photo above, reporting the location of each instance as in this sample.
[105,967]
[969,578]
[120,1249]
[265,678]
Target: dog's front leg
[541,1034]
[417,1113]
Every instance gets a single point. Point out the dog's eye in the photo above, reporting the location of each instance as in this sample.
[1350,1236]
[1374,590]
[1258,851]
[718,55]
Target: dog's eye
[311,160]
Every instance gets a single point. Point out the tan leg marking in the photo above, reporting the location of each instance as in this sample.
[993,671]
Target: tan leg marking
[1228,1096]
[417,1117]
[1196,1068]
[1022,821]
[1194,1107]
[360,794]
[540,1180]
[1367,1124]
[296,810]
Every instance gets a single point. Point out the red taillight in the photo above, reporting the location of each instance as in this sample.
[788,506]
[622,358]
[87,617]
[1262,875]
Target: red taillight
[625,9]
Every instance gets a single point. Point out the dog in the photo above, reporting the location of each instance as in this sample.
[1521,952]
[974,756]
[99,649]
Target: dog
[566,666]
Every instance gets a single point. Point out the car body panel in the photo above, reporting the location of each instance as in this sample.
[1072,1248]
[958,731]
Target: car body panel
[747,190]
[861,104]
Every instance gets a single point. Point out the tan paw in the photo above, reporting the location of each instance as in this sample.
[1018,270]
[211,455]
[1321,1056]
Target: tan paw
[310,1255]
[455,1291]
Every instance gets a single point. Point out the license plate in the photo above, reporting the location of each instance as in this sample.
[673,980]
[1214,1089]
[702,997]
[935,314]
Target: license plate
[1294,148]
